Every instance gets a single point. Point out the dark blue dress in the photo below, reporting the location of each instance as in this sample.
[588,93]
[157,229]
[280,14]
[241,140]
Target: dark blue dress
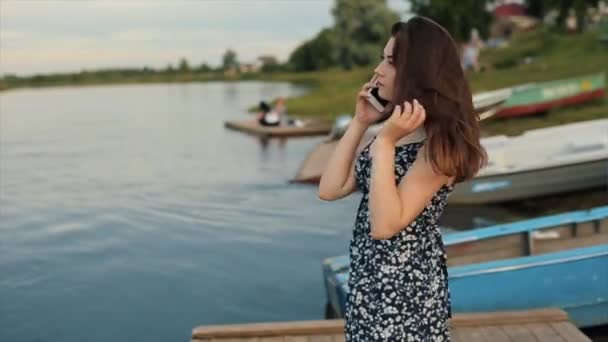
[398,288]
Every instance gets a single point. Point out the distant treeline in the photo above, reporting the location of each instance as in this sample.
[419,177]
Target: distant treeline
[183,73]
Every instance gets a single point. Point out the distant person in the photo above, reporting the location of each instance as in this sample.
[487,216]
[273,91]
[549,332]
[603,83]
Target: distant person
[571,21]
[429,141]
[281,109]
[267,116]
[470,52]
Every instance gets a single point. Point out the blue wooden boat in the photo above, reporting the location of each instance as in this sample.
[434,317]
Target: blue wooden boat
[552,261]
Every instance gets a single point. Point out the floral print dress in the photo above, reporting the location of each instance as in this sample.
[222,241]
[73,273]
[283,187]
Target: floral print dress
[398,288]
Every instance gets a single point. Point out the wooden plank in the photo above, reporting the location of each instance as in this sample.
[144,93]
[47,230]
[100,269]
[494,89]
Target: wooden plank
[485,245]
[544,332]
[296,339]
[604,226]
[494,334]
[528,244]
[533,325]
[470,334]
[564,232]
[509,317]
[272,339]
[338,338]
[585,229]
[254,128]
[498,254]
[269,329]
[455,335]
[548,246]
[518,333]
[569,332]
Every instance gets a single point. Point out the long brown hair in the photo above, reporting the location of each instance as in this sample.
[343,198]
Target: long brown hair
[428,69]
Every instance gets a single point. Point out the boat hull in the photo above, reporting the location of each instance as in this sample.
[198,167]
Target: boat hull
[540,97]
[566,266]
[532,183]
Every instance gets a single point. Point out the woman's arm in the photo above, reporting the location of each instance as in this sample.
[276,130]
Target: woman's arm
[393,207]
[338,178]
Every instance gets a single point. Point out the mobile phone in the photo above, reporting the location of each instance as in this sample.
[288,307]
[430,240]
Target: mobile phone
[373,97]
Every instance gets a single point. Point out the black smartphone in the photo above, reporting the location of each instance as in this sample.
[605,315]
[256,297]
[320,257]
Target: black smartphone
[375,100]
[373,96]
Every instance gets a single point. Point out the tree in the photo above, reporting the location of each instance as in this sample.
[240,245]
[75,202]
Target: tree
[458,17]
[204,67]
[183,65]
[229,60]
[361,28]
[315,54]
[538,8]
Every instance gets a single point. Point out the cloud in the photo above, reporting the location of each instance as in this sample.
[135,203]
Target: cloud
[47,36]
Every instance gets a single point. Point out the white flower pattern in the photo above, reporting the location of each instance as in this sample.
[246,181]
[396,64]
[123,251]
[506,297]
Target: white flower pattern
[398,288]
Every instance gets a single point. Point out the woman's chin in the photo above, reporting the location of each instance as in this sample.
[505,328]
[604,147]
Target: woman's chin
[383,95]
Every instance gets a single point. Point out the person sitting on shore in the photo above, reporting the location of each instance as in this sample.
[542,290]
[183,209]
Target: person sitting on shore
[268,117]
[281,109]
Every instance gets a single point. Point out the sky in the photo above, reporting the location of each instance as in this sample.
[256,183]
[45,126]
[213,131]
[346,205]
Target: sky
[47,36]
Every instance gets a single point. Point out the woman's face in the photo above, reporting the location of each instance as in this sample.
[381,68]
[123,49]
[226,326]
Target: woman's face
[386,72]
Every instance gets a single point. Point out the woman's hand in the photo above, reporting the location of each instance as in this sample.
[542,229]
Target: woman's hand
[365,113]
[405,119]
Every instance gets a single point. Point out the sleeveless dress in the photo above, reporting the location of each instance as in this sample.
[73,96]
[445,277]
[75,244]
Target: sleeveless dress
[398,288]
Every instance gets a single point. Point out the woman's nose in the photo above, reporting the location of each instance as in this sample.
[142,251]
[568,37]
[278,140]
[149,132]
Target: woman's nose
[378,70]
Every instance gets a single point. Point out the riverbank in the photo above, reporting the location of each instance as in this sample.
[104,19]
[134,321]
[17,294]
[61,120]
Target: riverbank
[531,57]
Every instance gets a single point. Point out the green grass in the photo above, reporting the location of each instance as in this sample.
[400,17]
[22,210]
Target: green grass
[332,91]
[554,56]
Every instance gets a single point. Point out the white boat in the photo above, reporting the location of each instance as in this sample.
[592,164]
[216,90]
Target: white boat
[538,162]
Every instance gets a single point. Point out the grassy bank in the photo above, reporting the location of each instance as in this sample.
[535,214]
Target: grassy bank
[550,56]
[118,76]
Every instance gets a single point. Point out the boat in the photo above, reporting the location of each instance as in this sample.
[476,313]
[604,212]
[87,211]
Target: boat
[540,97]
[539,162]
[488,103]
[308,128]
[553,261]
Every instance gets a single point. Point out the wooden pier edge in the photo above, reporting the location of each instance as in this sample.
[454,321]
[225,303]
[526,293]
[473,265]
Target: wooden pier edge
[314,128]
[555,318]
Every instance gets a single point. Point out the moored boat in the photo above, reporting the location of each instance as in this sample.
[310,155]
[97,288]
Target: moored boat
[553,261]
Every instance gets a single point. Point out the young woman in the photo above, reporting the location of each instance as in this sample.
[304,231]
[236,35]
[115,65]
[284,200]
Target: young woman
[398,286]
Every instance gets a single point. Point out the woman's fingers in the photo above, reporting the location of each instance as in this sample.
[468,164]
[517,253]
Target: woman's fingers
[412,114]
[419,114]
[397,110]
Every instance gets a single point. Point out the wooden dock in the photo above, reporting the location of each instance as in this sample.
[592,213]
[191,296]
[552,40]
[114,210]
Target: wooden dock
[311,128]
[545,325]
